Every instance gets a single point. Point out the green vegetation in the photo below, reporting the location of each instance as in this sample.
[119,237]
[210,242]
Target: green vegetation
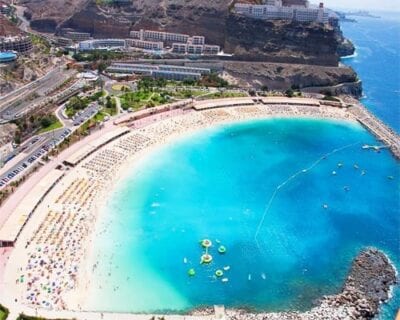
[120,87]
[3,312]
[110,106]
[49,124]
[77,103]
[97,55]
[224,94]
[142,98]
[41,43]
[213,80]
[186,93]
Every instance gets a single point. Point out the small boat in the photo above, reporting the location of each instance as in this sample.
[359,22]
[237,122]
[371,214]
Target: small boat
[184,260]
[340,165]
[225,280]
[363,172]
[390,177]
[304,170]
[346,188]
[226,268]
[356,166]
[249,277]
[325,206]
[334,173]
[263,276]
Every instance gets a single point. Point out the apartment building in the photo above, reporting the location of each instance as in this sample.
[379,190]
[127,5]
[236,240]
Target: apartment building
[21,44]
[147,45]
[77,36]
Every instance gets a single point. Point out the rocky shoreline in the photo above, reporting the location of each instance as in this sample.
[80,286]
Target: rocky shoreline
[367,286]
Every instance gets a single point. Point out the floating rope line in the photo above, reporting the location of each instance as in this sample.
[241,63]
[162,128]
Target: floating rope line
[312,166]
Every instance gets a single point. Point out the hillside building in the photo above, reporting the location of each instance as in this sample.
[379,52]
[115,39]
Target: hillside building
[275,10]
[77,36]
[102,44]
[179,43]
[20,44]
[146,45]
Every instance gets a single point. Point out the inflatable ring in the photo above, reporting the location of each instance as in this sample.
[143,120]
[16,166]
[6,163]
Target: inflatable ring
[191,272]
[206,243]
[206,258]
[221,249]
[219,273]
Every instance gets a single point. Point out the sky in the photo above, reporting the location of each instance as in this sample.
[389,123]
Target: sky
[384,5]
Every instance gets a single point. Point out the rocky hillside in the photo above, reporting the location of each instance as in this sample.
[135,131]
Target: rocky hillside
[276,76]
[248,39]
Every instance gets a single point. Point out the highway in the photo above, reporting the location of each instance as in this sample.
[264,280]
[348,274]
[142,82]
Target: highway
[24,99]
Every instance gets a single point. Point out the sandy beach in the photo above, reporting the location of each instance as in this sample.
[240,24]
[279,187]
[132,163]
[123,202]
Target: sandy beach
[51,264]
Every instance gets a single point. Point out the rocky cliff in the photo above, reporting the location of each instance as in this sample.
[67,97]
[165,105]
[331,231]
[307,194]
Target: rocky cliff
[282,76]
[248,39]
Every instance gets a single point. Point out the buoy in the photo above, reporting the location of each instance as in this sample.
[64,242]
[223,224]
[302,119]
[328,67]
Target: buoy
[219,273]
[221,249]
[206,258]
[346,188]
[206,243]
[191,272]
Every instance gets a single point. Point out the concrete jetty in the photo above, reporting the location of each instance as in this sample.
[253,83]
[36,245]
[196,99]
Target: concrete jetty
[377,127]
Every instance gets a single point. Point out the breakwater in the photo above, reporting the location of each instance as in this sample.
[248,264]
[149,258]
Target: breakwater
[377,127]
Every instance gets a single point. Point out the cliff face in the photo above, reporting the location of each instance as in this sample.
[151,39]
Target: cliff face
[246,38]
[280,41]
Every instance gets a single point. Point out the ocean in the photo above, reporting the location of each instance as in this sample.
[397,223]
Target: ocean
[292,200]
[377,63]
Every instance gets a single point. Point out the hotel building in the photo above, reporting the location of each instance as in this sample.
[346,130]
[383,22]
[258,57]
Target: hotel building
[169,72]
[180,43]
[274,10]
[102,44]
[147,45]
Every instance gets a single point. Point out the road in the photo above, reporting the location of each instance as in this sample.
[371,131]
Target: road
[25,98]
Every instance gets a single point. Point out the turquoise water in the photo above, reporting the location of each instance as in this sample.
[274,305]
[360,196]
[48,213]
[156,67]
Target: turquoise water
[377,63]
[284,251]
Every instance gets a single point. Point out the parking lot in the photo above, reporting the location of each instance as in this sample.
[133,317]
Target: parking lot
[36,149]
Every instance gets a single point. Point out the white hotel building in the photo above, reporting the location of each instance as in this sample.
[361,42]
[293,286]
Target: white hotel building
[273,10]
[180,43]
